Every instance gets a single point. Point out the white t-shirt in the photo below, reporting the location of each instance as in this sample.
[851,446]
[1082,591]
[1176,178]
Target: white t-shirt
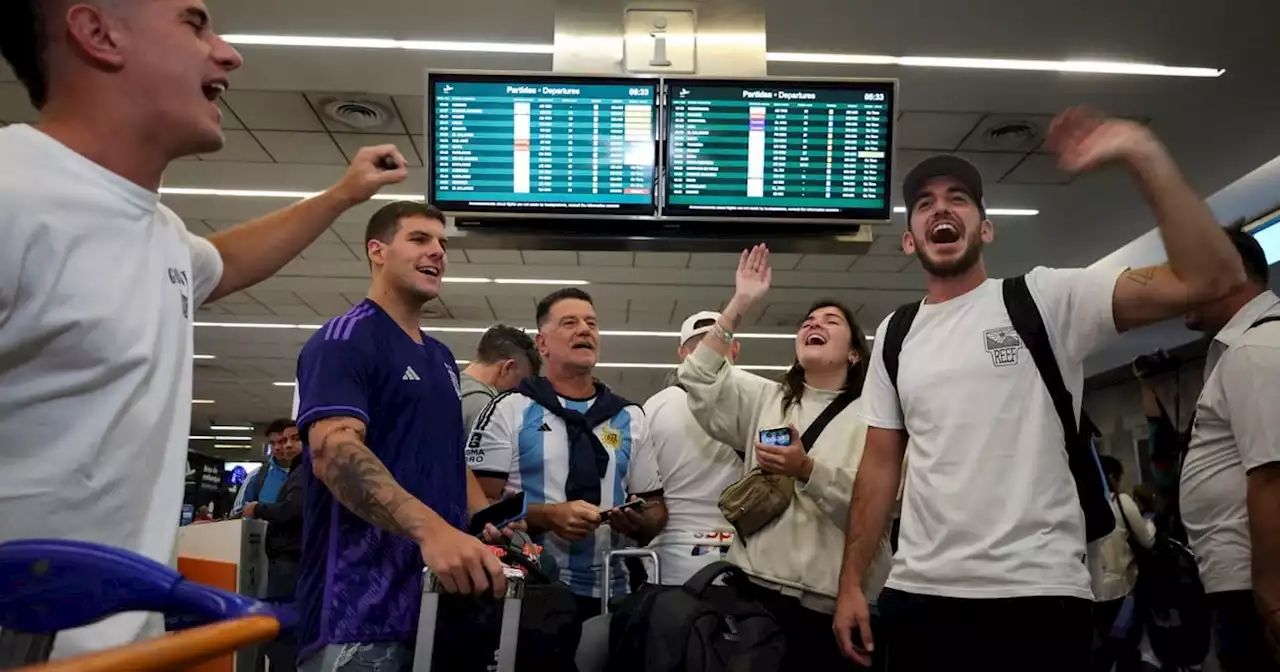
[695,469]
[99,283]
[1235,431]
[518,439]
[989,505]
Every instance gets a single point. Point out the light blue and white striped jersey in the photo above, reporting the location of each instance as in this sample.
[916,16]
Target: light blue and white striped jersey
[519,440]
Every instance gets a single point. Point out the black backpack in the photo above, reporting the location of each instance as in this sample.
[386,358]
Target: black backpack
[1099,521]
[697,627]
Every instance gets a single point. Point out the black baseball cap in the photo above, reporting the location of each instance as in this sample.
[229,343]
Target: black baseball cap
[943,165]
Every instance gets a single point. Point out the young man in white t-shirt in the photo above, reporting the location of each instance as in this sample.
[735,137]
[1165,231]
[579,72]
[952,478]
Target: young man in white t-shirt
[990,566]
[99,282]
[695,469]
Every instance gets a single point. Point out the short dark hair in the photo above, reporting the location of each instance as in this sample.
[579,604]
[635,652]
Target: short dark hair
[384,223]
[1111,467]
[23,41]
[504,342]
[278,426]
[550,300]
[1251,254]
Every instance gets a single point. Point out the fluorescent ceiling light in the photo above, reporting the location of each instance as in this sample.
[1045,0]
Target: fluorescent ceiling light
[999,212]
[375,43]
[219,438]
[232,428]
[272,193]
[238,446]
[194,437]
[537,281]
[448,278]
[1092,67]
[481,330]
[203,357]
[1081,66]
[202,401]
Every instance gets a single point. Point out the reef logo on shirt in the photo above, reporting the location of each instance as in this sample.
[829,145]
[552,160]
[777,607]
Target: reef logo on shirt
[1003,344]
[610,437]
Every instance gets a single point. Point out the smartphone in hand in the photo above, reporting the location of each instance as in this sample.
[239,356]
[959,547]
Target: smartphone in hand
[779,436]
[499,515]
[638,504]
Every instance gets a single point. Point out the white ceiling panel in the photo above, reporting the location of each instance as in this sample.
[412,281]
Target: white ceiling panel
[495,257]
[240,147]
[325,303]
[299,147]
[714,260]
[328,252]
[352,143]
[938,131]
[1038,169]
[993,166]
[550,257]
[410,108]
[662,259]
[594,258]
[875,263]
[826,262]
[273,110]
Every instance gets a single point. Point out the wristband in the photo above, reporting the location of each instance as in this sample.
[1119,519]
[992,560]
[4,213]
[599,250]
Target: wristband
[721,334]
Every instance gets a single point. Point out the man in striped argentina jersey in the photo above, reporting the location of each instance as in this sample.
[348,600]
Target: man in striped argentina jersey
[575,449]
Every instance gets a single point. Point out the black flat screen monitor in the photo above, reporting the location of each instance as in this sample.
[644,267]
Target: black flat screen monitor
[778,148]
[528,144]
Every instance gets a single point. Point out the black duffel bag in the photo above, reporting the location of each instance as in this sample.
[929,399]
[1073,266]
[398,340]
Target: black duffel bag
[697,627]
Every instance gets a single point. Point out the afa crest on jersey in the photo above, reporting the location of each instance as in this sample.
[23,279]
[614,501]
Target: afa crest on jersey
[610,437]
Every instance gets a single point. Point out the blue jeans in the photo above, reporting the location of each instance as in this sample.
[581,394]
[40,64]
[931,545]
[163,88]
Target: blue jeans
[382,657]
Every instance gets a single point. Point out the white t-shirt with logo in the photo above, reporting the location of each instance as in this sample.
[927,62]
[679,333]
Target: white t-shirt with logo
[989,505]
[99,284]
[695,469]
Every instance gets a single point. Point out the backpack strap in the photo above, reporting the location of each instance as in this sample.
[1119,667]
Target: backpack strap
[894,335]
[1081,457]
[828,414]
[1266,320]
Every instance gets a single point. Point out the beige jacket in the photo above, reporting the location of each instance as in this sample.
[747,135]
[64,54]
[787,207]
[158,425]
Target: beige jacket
[800,553]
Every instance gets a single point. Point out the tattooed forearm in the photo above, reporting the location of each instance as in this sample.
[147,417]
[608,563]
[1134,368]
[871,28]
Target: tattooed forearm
[1141,276]
[359,480]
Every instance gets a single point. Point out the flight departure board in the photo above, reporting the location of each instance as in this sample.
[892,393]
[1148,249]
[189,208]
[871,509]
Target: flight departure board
[779,149]
[539,144]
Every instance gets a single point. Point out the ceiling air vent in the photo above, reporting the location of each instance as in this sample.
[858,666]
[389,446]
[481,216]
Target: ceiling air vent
[1013,134]
[360,114]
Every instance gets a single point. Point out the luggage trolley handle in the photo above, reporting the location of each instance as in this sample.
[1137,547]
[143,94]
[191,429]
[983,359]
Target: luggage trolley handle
[508,634]
[609,557]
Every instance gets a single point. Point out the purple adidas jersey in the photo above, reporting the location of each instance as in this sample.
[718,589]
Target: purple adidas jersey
[359,583]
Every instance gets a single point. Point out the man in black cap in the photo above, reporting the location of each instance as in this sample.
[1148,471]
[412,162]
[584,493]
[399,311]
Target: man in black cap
[991,555]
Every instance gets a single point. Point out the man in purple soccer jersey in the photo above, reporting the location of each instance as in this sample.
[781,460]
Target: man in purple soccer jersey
[387,486]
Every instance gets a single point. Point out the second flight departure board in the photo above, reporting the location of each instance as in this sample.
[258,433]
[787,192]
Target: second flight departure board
[541,144]
[779,149]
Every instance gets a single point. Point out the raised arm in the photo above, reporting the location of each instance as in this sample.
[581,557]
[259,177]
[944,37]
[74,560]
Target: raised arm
[256,250]
[1203,266]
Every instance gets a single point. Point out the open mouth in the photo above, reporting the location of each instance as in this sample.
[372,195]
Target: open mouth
[429,271]
[583,346]
[815,339]
[214,90]
[944,233]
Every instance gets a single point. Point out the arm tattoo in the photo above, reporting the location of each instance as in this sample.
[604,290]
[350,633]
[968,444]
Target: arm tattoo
[359,480]
[1141,276]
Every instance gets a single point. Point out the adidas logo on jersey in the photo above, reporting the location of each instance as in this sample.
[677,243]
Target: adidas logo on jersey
[544,428]
[410,374]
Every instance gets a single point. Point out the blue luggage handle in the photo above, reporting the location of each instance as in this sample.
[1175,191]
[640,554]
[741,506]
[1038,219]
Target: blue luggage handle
[47,585]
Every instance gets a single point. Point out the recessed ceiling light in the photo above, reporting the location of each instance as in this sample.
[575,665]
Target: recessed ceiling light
[232,428]
[1090,67]
[376,43]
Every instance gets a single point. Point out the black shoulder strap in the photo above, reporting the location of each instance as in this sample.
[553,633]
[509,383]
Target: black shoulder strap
[828,414]
[1081,456]
[1027,321]
[1266,320]
[894,334]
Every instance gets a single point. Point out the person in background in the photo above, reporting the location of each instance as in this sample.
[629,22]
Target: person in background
[576,450]
[992,546]
[283,540]
[694,468]
[1118,646]
[264,485]
[794,560]
[505,356]
[100,281]
[387,488]
[1229,489]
